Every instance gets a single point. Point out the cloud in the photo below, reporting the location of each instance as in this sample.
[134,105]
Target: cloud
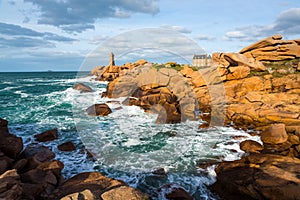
[79,28]
[205,37]
[57,38]
[78,15]
[287,23]
[17,35]
[11,29]
[179,29]
[98,39]
[24,42]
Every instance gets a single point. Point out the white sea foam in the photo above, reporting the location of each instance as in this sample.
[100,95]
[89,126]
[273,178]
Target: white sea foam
[23,94]
[83,79]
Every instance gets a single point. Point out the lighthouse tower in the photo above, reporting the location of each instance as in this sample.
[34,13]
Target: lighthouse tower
[112,59]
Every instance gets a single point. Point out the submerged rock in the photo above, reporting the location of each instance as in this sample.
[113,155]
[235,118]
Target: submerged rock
[173,192]
[67,146]
[47,136]
[101,109]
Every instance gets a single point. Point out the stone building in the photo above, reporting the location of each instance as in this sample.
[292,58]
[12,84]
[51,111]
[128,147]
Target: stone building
[202,60]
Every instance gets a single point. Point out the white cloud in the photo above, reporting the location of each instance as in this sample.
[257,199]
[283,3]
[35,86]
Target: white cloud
[205,37]
[179,29]
[287,23]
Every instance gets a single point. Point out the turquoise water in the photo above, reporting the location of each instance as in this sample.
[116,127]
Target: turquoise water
[127,144]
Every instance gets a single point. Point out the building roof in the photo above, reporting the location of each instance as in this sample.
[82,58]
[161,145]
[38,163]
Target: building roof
[201,56]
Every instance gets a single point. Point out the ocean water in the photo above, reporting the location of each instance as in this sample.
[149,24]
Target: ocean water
[127,144]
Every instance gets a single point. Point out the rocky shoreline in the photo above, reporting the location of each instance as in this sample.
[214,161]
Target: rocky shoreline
[268,171]
[32,172]
[257,88]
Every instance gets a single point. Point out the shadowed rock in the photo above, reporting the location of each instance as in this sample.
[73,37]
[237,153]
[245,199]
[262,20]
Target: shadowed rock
[99,110]
[82,87]
[47,136]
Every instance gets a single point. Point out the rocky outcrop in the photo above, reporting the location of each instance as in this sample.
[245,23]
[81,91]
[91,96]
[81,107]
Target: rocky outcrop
[82,88]
[259,177]
[33,173]
[163,91]
[95,185]
[111,72]
[101,109]
[247,92]
[270,171]
[273,49]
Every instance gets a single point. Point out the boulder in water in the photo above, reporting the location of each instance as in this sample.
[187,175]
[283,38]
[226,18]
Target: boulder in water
[82,87]
[251,146]
[174,192]
[101,109]
[66,146]
[46,136]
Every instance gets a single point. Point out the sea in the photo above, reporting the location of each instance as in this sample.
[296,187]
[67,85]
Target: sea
[127,144]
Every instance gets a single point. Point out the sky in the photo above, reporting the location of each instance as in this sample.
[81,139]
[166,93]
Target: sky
[72,35]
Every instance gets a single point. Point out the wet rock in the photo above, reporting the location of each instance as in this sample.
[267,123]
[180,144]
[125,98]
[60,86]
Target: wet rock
[82,88]
[46,136]
[160,172]
[11,145]
[251,146]
[43,181]
[3,123]
[3,126]
[5,163]
[32,190]
[54,166]
[99,110]
[36,154]
[20,164]
[67,146]
[10,185]
[174,192]
[275,134]
[204,126]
